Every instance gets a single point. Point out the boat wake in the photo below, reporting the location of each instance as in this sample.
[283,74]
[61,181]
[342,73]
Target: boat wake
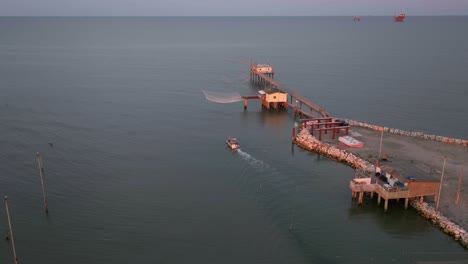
[271,190]
[251,160]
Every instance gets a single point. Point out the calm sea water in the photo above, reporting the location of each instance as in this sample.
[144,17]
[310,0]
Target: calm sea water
[139,173]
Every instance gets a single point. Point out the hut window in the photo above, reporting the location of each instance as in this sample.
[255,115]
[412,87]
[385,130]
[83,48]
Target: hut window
[274,97]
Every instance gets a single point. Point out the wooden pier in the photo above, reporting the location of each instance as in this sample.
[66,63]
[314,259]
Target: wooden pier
[262,74]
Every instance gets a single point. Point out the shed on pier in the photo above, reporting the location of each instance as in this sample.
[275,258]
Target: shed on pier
[274,98]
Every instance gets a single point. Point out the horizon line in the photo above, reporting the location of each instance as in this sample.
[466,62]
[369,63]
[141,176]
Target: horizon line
[222,15]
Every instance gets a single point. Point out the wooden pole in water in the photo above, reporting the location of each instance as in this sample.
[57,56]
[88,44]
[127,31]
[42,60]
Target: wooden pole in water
[457,197]
[41,169]
[440,185]
[11,231]
[293,211]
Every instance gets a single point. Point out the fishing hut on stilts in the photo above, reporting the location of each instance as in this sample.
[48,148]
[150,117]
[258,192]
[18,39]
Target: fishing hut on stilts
[275,96]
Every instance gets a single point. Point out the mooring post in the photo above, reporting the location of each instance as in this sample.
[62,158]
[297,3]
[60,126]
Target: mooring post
[11,231]
[41,169]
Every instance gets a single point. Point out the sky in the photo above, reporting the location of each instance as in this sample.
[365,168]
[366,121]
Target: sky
[231,7]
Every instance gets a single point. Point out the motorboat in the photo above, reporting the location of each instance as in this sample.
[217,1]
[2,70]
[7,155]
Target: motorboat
[232,143]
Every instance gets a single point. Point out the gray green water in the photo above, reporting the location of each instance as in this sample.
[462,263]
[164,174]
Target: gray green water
[139,171]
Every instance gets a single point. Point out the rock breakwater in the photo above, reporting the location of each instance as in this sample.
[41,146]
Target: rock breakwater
[441,221]
[457,141]
[306,141]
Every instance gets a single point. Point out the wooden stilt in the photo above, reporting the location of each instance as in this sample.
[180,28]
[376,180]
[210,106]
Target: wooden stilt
[421,199]
[361,196]
[406,203]
[386,205]
[378,200]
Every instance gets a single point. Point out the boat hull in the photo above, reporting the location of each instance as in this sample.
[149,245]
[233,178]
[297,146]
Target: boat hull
[400,18]
[232,143]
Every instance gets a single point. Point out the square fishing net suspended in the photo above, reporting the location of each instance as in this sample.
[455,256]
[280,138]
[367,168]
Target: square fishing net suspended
[222,97]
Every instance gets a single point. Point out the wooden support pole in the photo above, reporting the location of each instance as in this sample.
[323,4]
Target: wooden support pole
[378,199]
[293,133]
[371,195]
[421,199]
[41,169]
[361,196]
[293,211]
[245,104]
[406,203]
[11,231]
[386,205]
[440,185]
[380,148]
[457,196]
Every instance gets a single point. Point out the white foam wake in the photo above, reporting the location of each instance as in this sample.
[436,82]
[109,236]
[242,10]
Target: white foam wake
[251,160]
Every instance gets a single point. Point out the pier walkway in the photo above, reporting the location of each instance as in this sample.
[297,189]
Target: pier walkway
[263,74]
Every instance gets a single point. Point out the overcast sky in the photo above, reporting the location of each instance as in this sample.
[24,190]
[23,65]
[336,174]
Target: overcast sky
[230,8]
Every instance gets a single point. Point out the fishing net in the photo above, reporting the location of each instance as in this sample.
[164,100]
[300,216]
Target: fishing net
[222,97]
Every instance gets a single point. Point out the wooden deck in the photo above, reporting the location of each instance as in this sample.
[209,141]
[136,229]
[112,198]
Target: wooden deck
[412,190]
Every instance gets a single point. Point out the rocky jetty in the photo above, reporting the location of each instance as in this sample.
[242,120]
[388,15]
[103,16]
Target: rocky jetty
[457,141]
[441,221]
[306,141]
